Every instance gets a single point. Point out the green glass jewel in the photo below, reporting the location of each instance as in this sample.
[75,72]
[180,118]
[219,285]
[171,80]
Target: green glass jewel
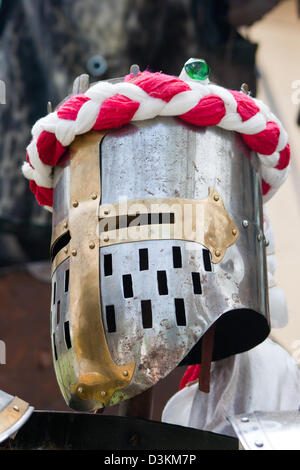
[197,69]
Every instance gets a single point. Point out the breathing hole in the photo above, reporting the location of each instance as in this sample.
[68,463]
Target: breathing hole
[67,277]
[206,260]
[177,260]
[58,312]
[146,313]
[162,282]
[180,312]
[144,259]
[54,293]
[127,286]
[108,265]
[138,220]
[67,335]
[196,283]
[59,244]
[111,319]
[54,348]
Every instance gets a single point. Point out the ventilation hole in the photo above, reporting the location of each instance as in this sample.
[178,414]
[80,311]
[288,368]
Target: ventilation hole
[123,221]
[127,286]
[107,265]
[67,277]
[67,335]
[111,319]
[196,283]
[58,312]
[206,260]
[180,312]
[162,282]
[54,293]
[144,261]
[54,348]
[177,261]
[59,244]
[146,313]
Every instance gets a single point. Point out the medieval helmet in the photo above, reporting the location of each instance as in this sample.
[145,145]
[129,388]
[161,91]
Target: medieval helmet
[157,228]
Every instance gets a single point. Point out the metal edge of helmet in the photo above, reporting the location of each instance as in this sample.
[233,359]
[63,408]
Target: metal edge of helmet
[267,430]
[14,413]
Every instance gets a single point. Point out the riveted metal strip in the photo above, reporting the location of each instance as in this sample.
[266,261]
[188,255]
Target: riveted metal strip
[99,377]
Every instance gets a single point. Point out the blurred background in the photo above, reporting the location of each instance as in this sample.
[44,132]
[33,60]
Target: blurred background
[43,47]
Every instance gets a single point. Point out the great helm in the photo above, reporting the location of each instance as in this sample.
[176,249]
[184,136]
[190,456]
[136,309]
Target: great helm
[157,228]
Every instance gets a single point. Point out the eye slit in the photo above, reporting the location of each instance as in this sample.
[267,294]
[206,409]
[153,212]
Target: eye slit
[96,65]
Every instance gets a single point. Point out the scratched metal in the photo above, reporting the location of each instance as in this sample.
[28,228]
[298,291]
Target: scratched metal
[165,158]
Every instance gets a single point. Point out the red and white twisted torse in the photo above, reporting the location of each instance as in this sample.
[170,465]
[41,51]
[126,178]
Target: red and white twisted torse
[147,95]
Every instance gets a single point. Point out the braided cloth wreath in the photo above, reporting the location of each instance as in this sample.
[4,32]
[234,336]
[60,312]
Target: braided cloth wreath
[147,95]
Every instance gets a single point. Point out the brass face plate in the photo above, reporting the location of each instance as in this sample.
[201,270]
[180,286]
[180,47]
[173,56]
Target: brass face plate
[99,376]
[203,221]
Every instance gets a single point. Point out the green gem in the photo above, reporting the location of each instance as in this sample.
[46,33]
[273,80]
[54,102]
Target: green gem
[197,69]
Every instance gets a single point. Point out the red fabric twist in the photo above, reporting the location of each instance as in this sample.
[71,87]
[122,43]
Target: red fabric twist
[191,374]
[119,110]
[115,112]
[208,112]
[264,142]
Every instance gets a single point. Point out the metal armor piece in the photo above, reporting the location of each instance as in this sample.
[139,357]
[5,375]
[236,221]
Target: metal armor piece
[157,235]
[273,430]
[14,412]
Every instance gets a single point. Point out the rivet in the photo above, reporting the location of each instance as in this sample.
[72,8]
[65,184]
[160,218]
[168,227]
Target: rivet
[103,394]
[216,197]
[259,444]
[245,223]
[94,196]
[106,211]
[80,390]
[75,203]
[267,242]
[245,88]
[16,408]
[66,225]
[74,252]
[134,69]
[245,419]
[234,231]
[92,245]
[106,239]
[66,250]
[125,373]
[49,107]
[218,253]
[259,237]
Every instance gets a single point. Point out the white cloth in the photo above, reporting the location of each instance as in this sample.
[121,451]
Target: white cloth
[265,378]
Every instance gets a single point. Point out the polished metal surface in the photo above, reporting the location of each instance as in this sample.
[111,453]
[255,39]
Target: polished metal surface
[278,430]
[13,415]
[158,297]
[61,201]
[183,161]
